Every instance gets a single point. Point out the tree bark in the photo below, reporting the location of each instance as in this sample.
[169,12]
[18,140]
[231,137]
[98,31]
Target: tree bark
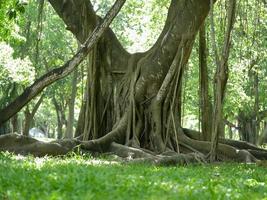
[221,78]
[60,107]
[14,124]
[69,130]
[206,106]
[30,115]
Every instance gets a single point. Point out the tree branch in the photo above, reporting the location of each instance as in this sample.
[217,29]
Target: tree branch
[61,72]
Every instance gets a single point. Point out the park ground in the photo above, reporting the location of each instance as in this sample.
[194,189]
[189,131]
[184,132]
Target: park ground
[86,177]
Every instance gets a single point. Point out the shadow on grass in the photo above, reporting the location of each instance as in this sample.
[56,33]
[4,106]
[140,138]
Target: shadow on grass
[88,178]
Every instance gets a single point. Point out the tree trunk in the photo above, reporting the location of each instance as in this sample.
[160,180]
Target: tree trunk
[60,111]
[221,77]
[69,130]
[247,125]
[27,121]
[263,136]
[30,115]
[206,106]
[256,105]
[14,124]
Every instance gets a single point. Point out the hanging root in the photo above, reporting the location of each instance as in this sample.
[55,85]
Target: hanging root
[103,144]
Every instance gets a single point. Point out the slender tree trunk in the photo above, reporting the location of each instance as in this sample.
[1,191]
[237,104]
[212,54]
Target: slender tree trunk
[14,124]
[206,106]
[221,77]
[30,115]
[256,106]
[60,110]
[39,29]
[70,123]
[27,121]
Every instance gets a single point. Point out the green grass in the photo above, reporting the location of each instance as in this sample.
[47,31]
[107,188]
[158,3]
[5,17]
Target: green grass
[80,178]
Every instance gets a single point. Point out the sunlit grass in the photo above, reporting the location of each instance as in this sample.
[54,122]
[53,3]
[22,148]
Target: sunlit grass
[75,177]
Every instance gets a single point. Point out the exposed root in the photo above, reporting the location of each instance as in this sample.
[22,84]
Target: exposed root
[20,144]
[24,145]
[136,155]
[103,144]
[224,151]
[178,159]
[261,155]
[129,152]
[258,153]
[241,144]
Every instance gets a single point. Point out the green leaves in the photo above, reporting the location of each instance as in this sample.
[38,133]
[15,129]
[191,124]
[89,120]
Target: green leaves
[15,9]
[16,70]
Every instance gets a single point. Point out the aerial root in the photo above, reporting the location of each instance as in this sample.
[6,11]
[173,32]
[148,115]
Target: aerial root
[138,155]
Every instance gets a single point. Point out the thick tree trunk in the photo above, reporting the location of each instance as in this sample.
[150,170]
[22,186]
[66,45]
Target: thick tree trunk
[263,136]
[247,124]
[150,88]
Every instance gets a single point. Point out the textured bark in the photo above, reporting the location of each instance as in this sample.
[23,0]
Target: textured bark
[15,124]
[30,115]
[151,91]
[256,105]
[247,124]
[206,106]
[60,107]
[221,78]
[263,135]
[70,124]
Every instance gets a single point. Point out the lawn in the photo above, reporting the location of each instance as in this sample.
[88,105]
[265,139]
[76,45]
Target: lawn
[76,177]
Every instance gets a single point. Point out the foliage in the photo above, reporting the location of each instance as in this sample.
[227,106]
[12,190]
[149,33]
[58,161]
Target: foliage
[136,36]
[77,177]
[10,13]
[14,73]
[47,34]
[248,46]
[16,70]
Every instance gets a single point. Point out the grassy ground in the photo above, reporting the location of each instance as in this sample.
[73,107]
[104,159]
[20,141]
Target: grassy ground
[80,178]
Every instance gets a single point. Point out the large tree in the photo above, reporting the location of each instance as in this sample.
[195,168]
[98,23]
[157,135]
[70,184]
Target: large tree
[132,104]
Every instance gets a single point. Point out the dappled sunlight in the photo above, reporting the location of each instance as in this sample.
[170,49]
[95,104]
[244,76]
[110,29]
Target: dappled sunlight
[76,177]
